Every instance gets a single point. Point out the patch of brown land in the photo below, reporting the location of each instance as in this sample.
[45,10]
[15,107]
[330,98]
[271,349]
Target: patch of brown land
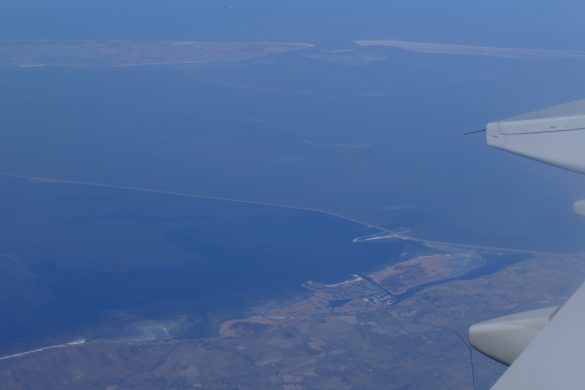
[418,342]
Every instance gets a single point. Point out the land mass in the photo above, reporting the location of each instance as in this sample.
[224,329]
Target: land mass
[449,48]
[116,53]
[401,326]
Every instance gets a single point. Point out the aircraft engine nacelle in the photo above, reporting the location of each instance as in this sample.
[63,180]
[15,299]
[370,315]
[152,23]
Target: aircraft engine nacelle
[503,339]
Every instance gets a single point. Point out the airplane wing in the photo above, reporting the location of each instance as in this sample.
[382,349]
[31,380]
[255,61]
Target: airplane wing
[546,347]
[555,358]
[555,135]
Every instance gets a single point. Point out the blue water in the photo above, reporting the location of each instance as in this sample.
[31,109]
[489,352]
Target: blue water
[527,24]
[86,261]
[94,260]
[279,131]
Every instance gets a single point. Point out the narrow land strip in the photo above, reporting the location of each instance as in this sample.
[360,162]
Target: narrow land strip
[42,179]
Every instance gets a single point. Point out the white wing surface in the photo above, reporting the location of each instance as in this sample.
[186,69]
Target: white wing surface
[555,135]
[546,348]
[555,359]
